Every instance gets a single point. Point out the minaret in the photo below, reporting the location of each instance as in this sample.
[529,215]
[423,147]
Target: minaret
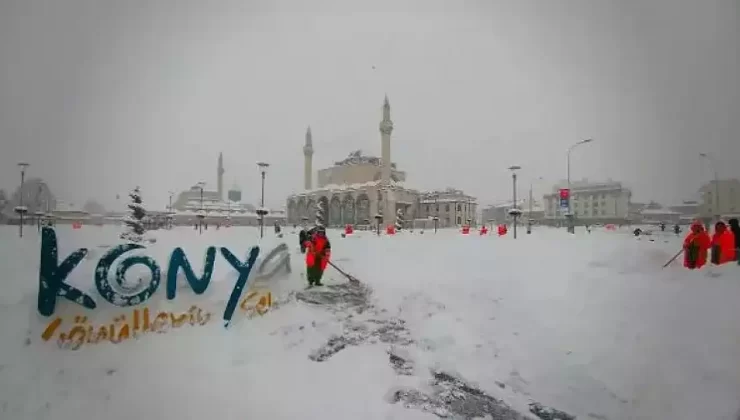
[220,176]
[386,127]
[307,161]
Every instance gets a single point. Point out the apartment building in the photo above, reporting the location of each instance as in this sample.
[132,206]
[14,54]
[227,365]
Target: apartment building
[720,198]
[591,202]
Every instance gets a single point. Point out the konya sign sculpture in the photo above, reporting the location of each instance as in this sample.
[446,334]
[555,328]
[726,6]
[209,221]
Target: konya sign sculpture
[140,320]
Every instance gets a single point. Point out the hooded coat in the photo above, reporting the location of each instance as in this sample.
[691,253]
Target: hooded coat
[318,253]
[723,244]
[696,247]
[318,250]
[735,228]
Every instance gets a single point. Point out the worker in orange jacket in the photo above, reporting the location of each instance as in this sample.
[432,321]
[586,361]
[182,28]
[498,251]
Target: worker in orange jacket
[696,247]
[318,253]
[723,244]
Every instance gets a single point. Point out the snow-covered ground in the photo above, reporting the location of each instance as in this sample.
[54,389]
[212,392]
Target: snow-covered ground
[587,324]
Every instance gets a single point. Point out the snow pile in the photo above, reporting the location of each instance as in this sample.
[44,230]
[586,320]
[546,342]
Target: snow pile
[564,325]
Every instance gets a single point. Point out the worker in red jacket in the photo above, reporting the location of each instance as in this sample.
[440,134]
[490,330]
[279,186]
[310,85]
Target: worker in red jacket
[318,253]
[723,244]
[696,247]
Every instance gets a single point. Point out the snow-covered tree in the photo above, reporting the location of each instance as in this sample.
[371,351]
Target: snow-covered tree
[320,214]
[399,219]
[134,221]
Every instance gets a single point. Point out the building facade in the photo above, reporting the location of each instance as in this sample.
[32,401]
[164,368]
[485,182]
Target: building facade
[688,210]
[657,216]
[451,206]
[499,213]
[720,198]
[591,202]
[358,190]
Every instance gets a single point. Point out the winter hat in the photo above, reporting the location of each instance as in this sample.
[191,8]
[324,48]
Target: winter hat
[320,230]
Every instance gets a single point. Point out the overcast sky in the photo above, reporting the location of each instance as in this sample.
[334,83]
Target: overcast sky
[101,95]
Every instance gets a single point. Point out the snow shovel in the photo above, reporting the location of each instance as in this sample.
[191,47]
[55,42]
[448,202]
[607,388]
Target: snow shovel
[350,277]
[674,258]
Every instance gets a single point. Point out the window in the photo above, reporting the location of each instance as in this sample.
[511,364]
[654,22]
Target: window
[447,208]
[458,218]
[459,208]
[427,208]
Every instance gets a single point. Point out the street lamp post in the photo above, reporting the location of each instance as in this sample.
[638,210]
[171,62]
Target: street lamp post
[170,215]
[261,212]
[471,213]
[38,213]
[228,212]
[21,209]
[201,214]
[713,162]
[529,219]
[569,216]
[436,212]
[514,212]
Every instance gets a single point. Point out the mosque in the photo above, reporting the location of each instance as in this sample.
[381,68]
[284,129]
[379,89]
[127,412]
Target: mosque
[217,209]
[362,189]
